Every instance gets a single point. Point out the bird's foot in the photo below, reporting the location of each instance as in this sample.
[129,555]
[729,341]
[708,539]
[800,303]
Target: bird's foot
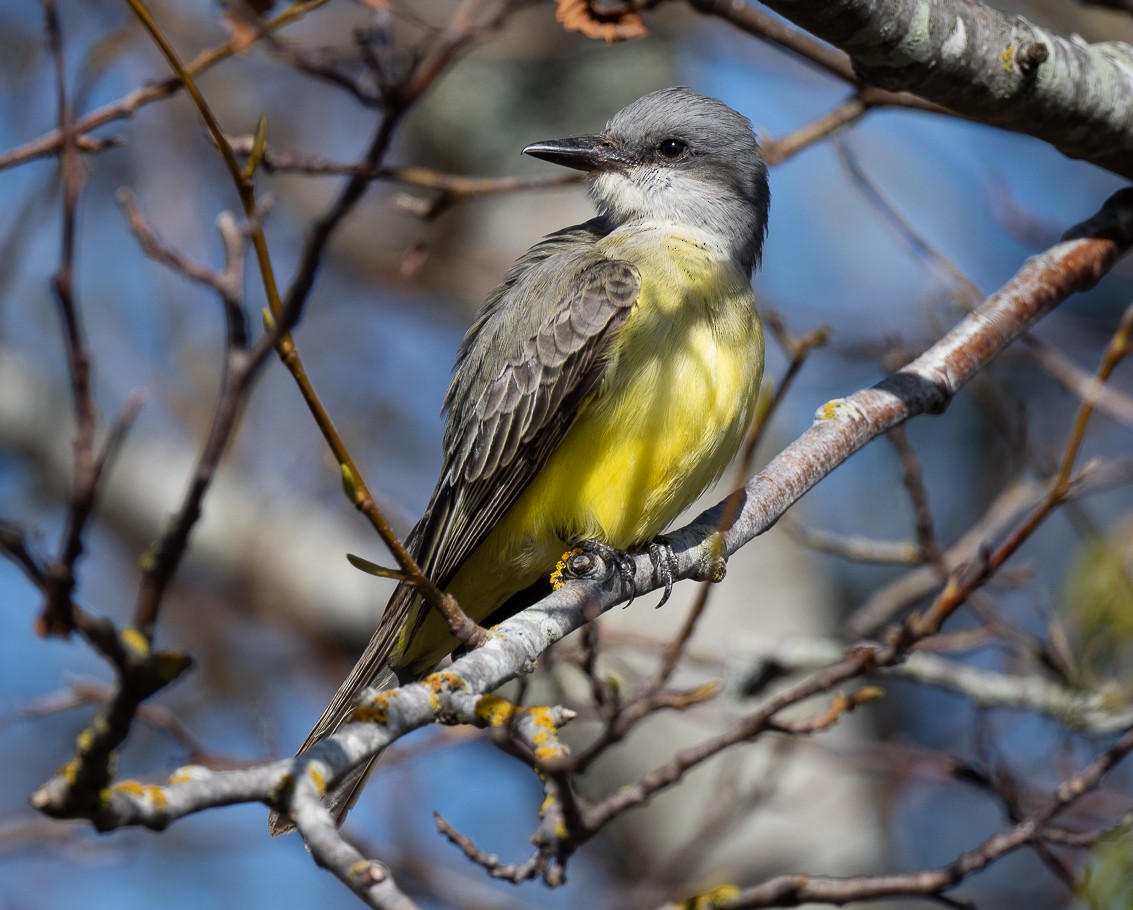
[590,559]
[664,565]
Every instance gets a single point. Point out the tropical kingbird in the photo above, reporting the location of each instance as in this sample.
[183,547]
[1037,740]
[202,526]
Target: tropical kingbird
[604,384]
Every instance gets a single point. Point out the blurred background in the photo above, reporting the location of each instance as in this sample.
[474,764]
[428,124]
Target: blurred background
[267,604]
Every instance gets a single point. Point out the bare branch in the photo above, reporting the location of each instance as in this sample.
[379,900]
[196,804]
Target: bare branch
[786,890]
[127,106]
[1097,711]
[57,618]
[854,547]
[930,379]
[1004,512]
[989,66]
[1106,400]
[929,382]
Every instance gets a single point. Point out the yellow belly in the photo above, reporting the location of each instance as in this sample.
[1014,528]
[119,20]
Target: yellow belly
[671,411]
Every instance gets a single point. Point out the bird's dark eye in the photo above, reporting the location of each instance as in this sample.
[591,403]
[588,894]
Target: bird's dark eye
[672,148]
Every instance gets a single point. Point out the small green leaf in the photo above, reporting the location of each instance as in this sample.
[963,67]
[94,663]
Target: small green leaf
[372,568]
[349,483]
[259,146]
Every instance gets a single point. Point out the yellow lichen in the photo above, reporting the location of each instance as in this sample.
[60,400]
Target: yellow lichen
[84,741]
[494,711]
[545,755]
[375,710]
[445,682]
[156,795]
[440,684]
[541,717]
[557,580]
[130,788]
[838,408]
[1007,55]
[184,775]
[560,829]
[135,641]
[69,772]
[374,714]
[546,738]
[828,411]
[718,897]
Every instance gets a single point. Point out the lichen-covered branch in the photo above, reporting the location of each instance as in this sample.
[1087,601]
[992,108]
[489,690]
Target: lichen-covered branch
[459,694]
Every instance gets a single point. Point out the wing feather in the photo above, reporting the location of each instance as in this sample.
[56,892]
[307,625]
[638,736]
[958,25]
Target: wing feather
[523,372]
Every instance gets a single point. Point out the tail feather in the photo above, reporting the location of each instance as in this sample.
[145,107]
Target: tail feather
[341,798]
[372,670]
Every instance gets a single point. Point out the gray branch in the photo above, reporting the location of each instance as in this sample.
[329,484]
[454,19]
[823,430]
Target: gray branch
[927,384]
[988,66]
[456,696]
[1096,711]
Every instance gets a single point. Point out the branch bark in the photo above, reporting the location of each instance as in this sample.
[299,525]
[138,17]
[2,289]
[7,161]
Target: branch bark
[988,66]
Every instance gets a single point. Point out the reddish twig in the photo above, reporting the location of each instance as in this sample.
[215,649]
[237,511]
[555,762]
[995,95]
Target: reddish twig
[125,107]
[788,890]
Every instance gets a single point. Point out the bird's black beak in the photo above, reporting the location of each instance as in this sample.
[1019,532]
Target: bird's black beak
[583,153]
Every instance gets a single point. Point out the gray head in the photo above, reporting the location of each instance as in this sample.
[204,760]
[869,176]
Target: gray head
[678,156]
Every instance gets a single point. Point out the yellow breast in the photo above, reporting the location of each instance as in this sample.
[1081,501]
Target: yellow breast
[670,413]
[674,403]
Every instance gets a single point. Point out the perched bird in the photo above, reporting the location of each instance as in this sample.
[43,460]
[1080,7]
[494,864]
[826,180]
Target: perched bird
[605,384]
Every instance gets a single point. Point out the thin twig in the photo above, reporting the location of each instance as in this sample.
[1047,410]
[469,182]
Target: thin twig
[956,593]
[918,245]
[912,478]
[125,107]
[798,889]
[57,618]
[854,547]
[776,151]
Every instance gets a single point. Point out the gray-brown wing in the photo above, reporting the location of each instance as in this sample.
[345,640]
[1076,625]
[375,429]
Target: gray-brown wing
[534,356]
[519,385]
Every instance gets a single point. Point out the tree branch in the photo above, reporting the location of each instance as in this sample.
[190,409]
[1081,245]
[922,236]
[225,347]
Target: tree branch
[1095,711]
[791,890]
[456,696]
[988,66]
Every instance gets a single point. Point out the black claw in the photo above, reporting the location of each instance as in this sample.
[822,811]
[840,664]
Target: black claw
[627,569]
[665,565]
[618,559]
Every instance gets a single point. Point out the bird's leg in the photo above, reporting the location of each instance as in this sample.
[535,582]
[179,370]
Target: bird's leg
[664,565]
[584,559]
